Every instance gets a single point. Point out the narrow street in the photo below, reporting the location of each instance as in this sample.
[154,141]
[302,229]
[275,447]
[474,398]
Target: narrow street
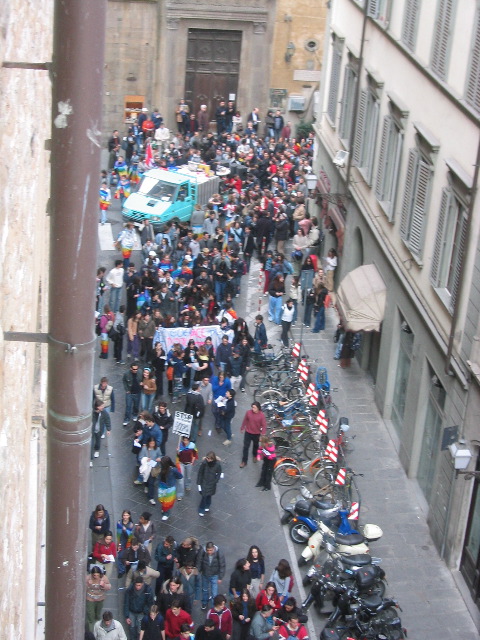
[242,515]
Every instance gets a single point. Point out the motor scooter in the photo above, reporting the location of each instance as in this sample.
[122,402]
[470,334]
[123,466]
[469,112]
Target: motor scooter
[349,541]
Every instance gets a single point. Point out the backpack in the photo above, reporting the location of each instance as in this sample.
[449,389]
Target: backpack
[98,330]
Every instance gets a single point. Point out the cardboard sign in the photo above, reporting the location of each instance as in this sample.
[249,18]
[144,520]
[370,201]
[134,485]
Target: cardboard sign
[182,423]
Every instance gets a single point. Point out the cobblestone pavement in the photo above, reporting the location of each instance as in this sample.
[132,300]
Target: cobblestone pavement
[242,515]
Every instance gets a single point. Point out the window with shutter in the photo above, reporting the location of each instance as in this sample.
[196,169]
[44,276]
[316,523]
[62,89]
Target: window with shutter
[359,128]
[413,159]
[389,165]
[410,23]
[473,78]
[439,247]
[334,79]
[450,242]
[415,202]
[442,37]
[373,8]
[419,208]
[348,98]
[366,125]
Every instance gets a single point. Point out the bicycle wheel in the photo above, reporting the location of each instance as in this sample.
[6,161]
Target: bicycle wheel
[290,497]
[286,474]
[312,449]
[295,392]
[271,396]
[333,414]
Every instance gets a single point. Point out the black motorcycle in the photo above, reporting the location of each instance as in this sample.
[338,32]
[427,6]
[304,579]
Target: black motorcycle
[364,617]
[367,580]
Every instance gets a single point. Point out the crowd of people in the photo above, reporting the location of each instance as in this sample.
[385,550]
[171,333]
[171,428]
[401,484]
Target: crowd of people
[189,276]
[158,602]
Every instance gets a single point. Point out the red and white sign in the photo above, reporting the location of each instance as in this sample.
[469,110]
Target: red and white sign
[313,400]
[296,349]
[340,479]
[332,451]
[322,421]
[354,509]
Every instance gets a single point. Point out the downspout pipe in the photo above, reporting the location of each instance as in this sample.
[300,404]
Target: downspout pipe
[461,287]
[77,78]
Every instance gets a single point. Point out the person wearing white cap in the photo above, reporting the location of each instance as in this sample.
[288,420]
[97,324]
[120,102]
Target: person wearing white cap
[203,119]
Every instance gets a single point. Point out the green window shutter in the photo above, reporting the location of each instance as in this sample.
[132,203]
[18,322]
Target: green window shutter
[360,129]
[420,205]
[410,23]
[413,159]
[440,238]
[473,80]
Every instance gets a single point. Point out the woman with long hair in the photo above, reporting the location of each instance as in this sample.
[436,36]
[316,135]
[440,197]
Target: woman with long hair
[149,387]
[275,292]
[243,609]
[257,569]
[167,482]
[240,578]
[133,342]
[282,578]
[124,538]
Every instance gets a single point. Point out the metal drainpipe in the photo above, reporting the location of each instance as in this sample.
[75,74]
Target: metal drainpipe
[461,290]
[77,76]
[353,130]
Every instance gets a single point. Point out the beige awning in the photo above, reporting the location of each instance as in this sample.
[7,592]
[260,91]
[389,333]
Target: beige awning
[361,299]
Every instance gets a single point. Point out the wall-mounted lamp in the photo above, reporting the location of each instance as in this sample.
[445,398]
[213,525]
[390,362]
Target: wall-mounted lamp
[289,52]
[461,455]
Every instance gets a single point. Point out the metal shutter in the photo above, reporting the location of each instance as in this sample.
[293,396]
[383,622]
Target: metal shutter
[440,238]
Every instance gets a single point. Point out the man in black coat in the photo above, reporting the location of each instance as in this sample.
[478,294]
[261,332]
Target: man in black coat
[195,406]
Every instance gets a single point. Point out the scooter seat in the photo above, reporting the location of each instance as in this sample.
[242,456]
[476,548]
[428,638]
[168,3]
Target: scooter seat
[350,539]
[372,602]
[357,560]
[323,505]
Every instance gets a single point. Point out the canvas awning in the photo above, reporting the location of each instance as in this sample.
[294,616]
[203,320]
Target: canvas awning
[361,299]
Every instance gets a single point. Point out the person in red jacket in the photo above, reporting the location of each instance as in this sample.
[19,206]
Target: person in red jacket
[105,552]
[293,628]
[174,618]
[221,616]
[254,425]
[268,596]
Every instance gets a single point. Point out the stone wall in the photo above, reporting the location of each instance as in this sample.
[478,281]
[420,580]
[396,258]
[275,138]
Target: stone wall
[25,37]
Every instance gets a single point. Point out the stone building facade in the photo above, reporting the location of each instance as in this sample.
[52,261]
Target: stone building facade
[258,53]
[401,97]
[25,47]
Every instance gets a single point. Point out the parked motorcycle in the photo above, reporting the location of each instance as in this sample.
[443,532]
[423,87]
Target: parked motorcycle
[370,616]
[367,578]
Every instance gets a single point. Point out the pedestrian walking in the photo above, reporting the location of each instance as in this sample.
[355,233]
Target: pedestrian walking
[211,568]
[288,312]
[227,413]
[108,629]
[209,474]
[195,406]
[221,616]
[266,452]
[131,385]
[254,425]
[97,583]
[115,280]
[136,605]
[167,481]
[144,531]
[186,455]
[257,569]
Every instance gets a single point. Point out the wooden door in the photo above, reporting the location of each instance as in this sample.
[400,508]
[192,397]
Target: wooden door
[213,63]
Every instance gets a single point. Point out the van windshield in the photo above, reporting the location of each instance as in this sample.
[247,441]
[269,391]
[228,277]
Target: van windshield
[154,188]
